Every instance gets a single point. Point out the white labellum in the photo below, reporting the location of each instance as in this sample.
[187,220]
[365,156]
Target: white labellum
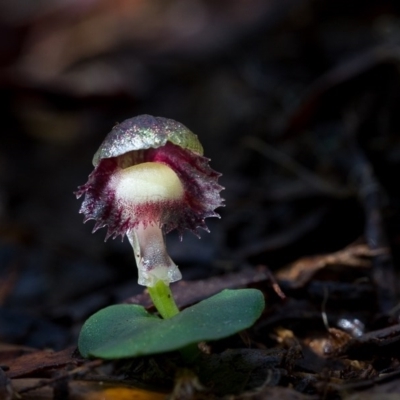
[148,182]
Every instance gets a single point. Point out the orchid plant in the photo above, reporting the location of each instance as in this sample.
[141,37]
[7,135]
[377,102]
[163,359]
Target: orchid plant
[151,177]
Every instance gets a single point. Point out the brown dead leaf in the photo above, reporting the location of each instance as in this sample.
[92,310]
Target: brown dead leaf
[329,343]
[302,271]
[38,361]
[11,352]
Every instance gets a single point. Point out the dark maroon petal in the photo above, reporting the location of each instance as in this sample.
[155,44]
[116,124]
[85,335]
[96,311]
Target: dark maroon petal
[199,181]
[99,202]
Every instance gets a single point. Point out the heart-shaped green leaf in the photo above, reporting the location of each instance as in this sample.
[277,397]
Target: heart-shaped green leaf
[125,330]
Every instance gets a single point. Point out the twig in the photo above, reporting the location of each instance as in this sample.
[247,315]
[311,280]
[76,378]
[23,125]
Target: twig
[296,168]
[370,194]
[75,372]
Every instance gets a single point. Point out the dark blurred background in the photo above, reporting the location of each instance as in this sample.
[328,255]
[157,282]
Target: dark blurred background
[296,102]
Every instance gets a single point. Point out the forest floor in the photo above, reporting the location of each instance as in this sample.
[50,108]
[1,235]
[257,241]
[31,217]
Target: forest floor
[297,103]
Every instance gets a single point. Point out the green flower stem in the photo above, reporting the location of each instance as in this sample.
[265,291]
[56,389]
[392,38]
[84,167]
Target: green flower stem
[163,299]
[164,302]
